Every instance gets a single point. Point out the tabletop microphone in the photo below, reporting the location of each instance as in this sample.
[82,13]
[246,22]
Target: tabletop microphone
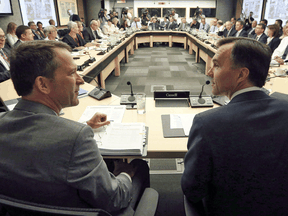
[201,100]
[131,97]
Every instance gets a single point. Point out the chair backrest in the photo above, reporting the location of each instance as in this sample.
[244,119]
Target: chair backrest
[24,208]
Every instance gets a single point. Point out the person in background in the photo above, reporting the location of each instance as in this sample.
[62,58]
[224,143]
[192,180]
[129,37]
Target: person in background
[239,28]
[24,34]
[229,31]
[251,32]
[104,19]
[259,33]
[265,22]
[237,154]
[124,25]
[73,39]
[183,25]
[116,23]
[248,22]
[82,19]
[154,25]
[172,24]
[40,29]
[36,34]
[200,16]
[194,24]
[11,34]
[4,59]
[72,17]
[80,28]
[273,39]
[279,22]
[90,33]
[51,33]
[221,27]
[164,23]
[174,15]
[52,22]
[204,26]
[280,54]
[99,30]
[213,29]
[109,28]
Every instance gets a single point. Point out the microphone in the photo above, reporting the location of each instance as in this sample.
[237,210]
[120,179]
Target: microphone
[201,100]
[131,97]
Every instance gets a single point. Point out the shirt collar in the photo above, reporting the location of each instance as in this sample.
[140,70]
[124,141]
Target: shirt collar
[241,91]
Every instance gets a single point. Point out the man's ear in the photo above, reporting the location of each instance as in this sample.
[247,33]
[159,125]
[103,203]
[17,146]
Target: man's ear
[43,84]
[243,74]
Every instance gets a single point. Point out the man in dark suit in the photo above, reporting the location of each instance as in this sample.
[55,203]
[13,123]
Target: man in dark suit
[172,24]
[164,23]
[24,33]
[229,31]
[90,33]
[52,160]
[237,154]
[251,32]
[33,27]
[194,24]
[4,59]
[239,28]
[259,33]
[154,25]
[73,17]
[183,25]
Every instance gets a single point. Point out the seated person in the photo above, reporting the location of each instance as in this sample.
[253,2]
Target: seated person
[229,31]
[11,34]
[237,154]
[183,25]
[60,164]
[154,25]
[124,25]
[172,24]
[239,28]
[213,29]
[80,32]
[259,33]
[51,33]
[280,53]
[40,30]
[251,32]
[24,33]
[279,22]
[109,28]
[221,27]
[52,22]
[90,33]
[273,40]
[99,31]
[37,35]
[165,22]
[204,26]
[73,39]
[194,24]
[116,23]
[4,59]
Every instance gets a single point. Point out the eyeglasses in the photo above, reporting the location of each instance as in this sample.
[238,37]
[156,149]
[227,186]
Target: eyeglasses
[2,37]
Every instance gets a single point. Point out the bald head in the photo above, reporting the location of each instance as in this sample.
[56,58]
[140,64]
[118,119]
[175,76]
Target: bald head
[94,25]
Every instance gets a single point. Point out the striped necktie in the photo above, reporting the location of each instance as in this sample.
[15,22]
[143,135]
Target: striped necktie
[5,57]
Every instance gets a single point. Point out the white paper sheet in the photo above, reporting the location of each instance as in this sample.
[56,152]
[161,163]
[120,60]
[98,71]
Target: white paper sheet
[182,121]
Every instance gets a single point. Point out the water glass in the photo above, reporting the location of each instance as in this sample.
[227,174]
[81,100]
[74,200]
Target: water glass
[141,103]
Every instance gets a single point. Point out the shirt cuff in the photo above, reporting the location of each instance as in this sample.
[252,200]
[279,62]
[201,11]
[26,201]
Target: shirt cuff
[126,174]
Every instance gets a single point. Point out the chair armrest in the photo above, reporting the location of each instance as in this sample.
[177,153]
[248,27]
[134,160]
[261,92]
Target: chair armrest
[148,203]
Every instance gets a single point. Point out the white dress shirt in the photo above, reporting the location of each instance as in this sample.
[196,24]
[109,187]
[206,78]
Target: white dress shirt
[213,29]
[254,88]
[279,51]
[238,33]
[11,39]
[3,61]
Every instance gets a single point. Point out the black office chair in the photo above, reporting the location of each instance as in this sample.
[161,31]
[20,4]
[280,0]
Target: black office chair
[14,207]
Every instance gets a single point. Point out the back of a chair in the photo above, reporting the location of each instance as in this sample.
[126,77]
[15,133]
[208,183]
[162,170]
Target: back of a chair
[23,208]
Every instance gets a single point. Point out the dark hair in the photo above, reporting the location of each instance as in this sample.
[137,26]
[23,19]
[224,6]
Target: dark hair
[233,18]
[50,21]
[32,59]
[251,54]
[265,21]
[10,27]
[39,23]
[241,22]
[275,29]
[220,22]
[21,30]
[30,23]
[262,26]
[280,22]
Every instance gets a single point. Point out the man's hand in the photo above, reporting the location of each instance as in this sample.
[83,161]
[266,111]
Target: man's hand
[98,120]
[279,60]
[121,166]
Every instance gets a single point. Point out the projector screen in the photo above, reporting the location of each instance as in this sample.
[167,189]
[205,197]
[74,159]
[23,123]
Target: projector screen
[255,6]
[38,10]
[5,8]
[276,9]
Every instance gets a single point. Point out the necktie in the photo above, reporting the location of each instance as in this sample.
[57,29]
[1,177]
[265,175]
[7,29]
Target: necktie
[257,38]
[136,25]
[237,35]
[285,53]
[4,56]
[95,34]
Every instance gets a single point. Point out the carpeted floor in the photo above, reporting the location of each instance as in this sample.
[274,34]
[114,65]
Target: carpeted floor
[172,68]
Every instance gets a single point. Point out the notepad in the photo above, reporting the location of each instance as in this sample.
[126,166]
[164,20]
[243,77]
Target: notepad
[122,139]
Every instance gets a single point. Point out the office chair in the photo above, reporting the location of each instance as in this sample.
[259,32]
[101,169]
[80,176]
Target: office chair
[14,207]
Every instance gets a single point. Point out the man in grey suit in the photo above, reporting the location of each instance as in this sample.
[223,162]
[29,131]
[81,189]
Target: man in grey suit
[4,59]
[259,33]
[183,25]
[52,160]
[90,33]
[237,154]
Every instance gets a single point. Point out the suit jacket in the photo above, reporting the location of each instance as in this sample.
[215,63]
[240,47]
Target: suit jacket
[52,160]
[243,33]
[157,26]
[274,43]
[18,42]
[172,25]
[262,39]
[4,73]
[237,157]
[251,33]
[72,43]
[233,32]
[36,36]
[88,35]
[74,17]
[181,25]
[164,24]
[196,25]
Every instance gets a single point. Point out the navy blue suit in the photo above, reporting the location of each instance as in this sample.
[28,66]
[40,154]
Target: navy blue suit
[4,73]
[262,39]
[237,157]
[274,43]
[233,32]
